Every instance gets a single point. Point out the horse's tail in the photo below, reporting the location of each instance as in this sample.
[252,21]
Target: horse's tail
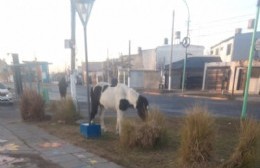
[95,96]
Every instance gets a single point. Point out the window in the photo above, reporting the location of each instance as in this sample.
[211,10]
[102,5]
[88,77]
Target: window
[217,51]
[229,49]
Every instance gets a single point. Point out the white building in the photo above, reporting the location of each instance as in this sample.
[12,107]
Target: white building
[163,53]
[235,48]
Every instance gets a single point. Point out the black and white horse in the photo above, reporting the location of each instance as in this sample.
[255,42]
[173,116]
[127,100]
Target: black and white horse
[117,98]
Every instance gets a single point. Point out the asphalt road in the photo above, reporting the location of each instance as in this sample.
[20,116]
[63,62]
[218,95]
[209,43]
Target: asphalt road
[175,104]
[170,104]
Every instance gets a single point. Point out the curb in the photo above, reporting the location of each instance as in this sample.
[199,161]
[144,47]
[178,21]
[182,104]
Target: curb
[187,95]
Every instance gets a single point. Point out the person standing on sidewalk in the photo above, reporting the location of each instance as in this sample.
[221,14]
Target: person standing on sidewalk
[63,87]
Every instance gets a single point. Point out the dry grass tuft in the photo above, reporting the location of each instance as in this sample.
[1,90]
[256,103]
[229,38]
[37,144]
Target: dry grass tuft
[32,106]
[64,111]
[246,154]
[197,138]
[149,134]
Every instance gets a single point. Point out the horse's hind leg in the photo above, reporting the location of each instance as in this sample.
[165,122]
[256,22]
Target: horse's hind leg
[119,119]
[102,122]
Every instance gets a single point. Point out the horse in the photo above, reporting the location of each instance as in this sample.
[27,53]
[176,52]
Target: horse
[118,98]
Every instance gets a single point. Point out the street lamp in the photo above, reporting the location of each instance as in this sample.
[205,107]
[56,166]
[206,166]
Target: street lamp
[185,43]
[84,8]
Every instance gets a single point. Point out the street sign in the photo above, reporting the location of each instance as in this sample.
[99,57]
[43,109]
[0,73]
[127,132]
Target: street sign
[257,44]
[186,42]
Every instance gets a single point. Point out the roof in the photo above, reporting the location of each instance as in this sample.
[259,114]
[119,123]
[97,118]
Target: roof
[194,62]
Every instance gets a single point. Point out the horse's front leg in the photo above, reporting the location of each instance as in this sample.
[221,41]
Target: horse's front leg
[102,122]
[119,121]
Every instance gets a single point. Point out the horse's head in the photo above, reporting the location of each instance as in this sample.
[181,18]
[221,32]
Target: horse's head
[95,96]
[142,107]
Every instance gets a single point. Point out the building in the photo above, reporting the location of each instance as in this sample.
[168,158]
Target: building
[96,73]
[141,68]
[36,71]
[163,54]
[5,72]
[194,72]
[235,48]
[230,77]
[143,60]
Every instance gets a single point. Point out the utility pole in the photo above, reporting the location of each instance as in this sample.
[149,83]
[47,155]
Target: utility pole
[73,55]
[170,65]
[250,60]
[129,63]
[108,68]
[73,35]
[185,43]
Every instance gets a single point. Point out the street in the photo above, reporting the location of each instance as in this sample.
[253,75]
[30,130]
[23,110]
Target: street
[176,104]
[15,148]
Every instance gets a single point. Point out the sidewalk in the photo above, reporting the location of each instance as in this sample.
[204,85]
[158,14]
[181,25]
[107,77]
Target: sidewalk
[25,145]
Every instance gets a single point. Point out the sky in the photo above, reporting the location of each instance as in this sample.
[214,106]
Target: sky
[38,28]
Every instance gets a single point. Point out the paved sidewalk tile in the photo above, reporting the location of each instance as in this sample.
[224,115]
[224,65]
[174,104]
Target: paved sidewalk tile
[18,138]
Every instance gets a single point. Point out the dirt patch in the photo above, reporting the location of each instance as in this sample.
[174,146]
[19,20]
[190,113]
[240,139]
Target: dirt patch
[108,145]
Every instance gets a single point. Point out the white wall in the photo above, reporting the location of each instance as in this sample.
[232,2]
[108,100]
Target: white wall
[222,50]
[149,59]
[163,53]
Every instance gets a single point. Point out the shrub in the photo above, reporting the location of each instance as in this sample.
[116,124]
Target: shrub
[246,153]
[64,111]
[149,134]
[32,106]
[197,137]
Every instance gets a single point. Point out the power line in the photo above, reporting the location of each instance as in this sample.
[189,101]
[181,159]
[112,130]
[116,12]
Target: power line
[225,19]
[219,24]
[212,34]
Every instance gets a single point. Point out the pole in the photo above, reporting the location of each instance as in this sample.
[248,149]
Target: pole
[87,70]
[249,68]
[185,59]
[184,71]
[73,32]
[170,65]
[73,55]
[129,63]
[108,67]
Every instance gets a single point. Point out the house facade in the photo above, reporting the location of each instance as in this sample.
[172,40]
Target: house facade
[95,72]
[5,72]
[194,72]
[163,54]
[139,70]
[235,48]
[230,77]
[36,71]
